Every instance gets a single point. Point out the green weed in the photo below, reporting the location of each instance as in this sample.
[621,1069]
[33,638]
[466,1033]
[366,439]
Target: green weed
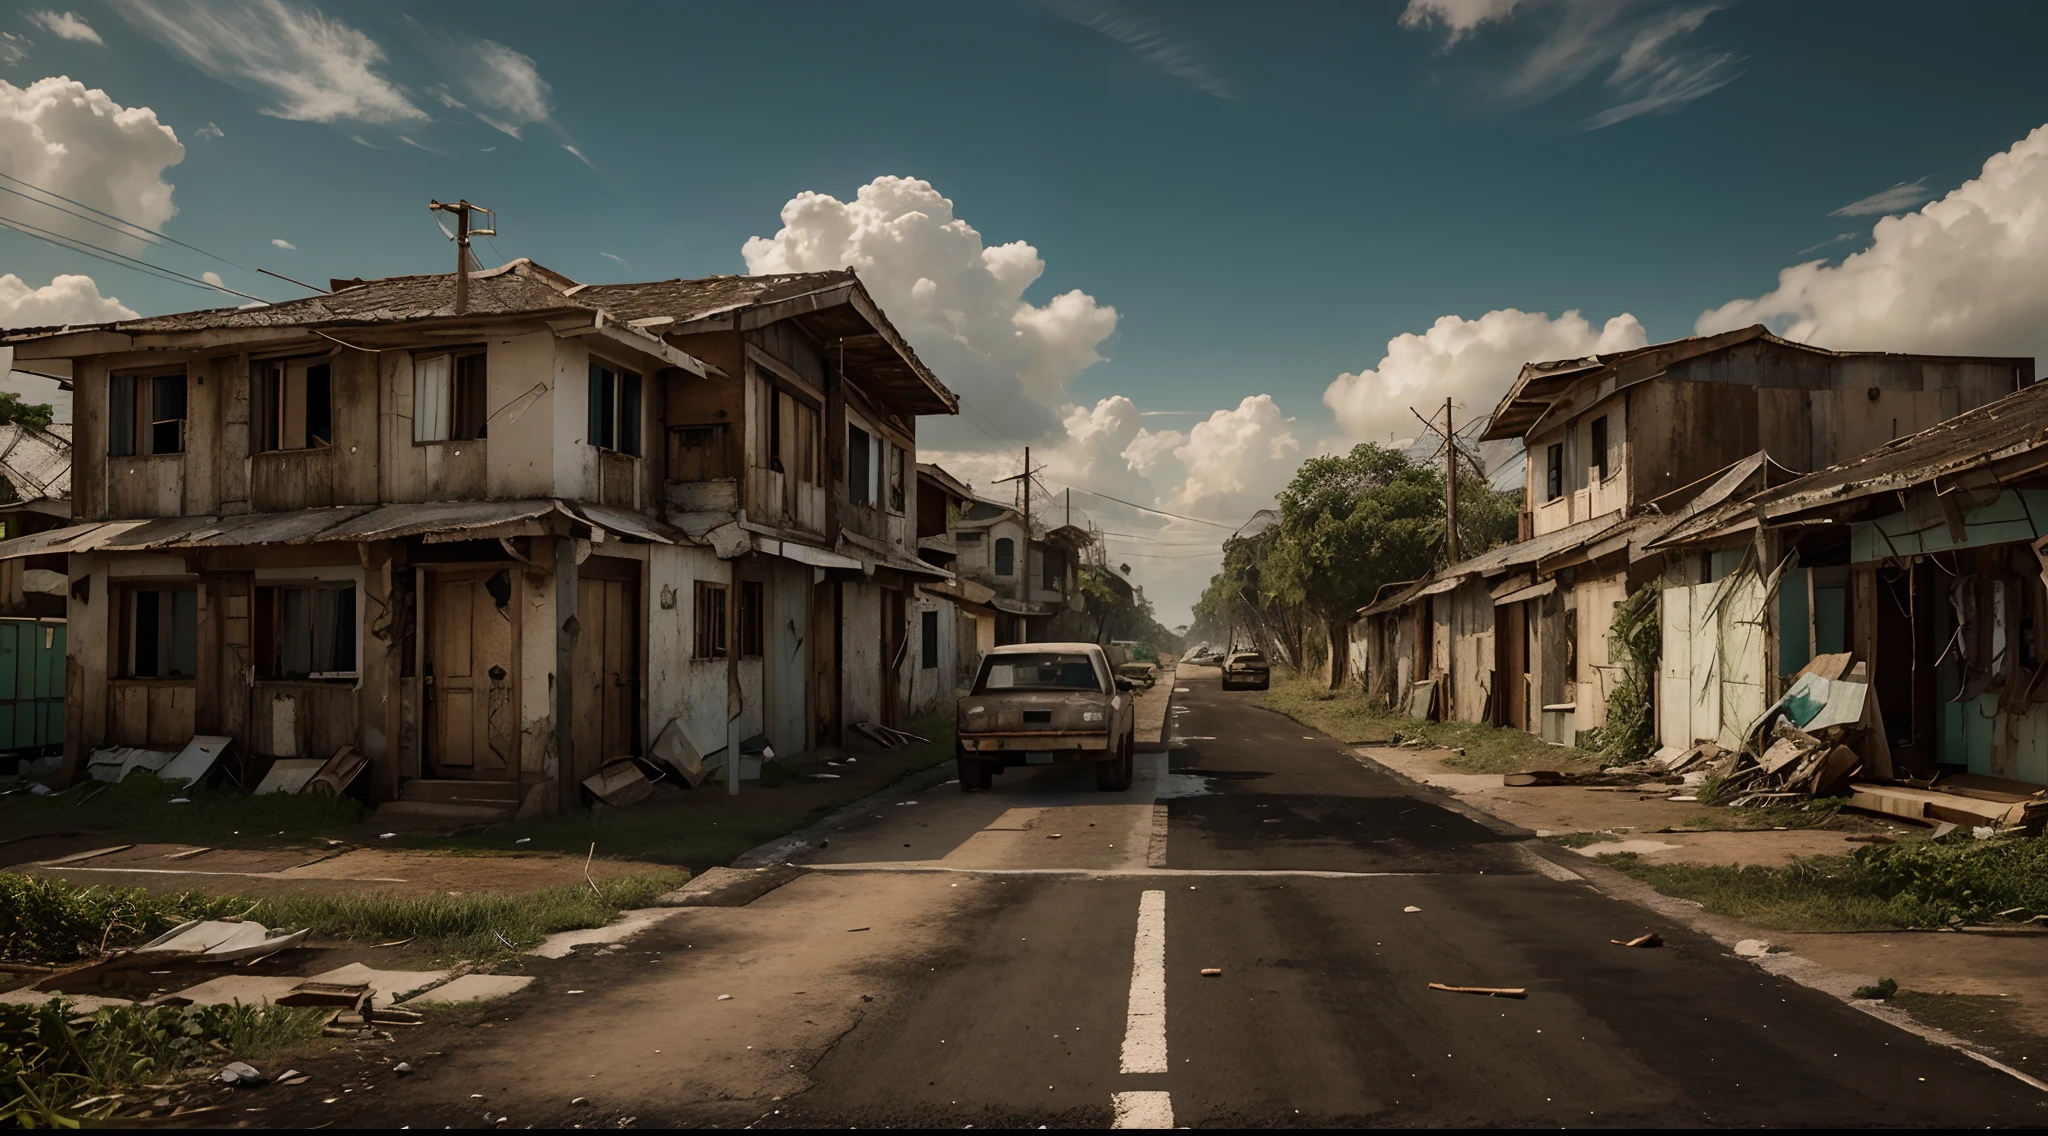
[1350,716]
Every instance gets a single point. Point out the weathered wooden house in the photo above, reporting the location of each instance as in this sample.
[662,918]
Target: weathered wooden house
[1921,559]
[495,545]
[1619,447]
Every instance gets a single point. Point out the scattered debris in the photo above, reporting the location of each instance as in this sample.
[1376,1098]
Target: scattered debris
[1490,991]
[339,770]
[1884,989]
[1646,939]
[1532,777]
[725,998]
[117,762]
[402,1068]
[1211,971]
[215,940]
[620,784]
[289,775]
[850,930]
[1410,910]
[1752,948]
[197,759]
[242,1073]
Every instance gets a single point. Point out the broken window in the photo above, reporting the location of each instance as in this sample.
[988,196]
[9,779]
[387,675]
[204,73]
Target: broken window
[753,617]
[793,437]
[145,415]
[698,453]
[1050,564]
[1553,467]
[614,410]
[1006,556]
[1599,446]
[895,478]
[928,639]
[160,632]
[306,631]
[860,465]
[710,621]
[450,395]
[293,403]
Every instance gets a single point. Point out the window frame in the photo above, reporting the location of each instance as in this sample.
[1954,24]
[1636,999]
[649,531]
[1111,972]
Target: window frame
[894,489]
[709,620]
[1597,441]
[132,412]
[1553,472]
[928,639]
[860,458]
[165,634]
[467,421]
[269,380]
[268,603]
[1005,549]
[615,400]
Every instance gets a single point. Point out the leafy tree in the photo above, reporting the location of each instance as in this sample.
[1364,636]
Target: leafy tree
[35,416]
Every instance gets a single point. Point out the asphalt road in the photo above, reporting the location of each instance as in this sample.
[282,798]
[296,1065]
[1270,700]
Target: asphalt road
[1323,1016]
[1033,956]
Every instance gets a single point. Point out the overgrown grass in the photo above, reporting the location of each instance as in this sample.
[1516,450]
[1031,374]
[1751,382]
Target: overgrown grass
[1916,884]
[1351,717]
[141,806]
[45,920]
[1811,813]
[62,1069]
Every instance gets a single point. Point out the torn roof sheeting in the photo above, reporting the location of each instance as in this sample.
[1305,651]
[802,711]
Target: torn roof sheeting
[436,522]
[2006,438]
[36,464]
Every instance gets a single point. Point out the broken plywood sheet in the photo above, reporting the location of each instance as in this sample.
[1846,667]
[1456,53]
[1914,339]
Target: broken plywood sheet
[673,749]
[1919,804]
[620,784]
[289,775]
[215,940]
[472,988]
[1422,699]
[386,986]
[335,775]
[196,759]
[119,761]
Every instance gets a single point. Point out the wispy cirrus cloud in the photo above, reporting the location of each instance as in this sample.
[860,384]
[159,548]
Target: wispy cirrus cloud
[1898,199]
[317,68]
[1838,238]
[1148,41]
[67,25]
[1645,48]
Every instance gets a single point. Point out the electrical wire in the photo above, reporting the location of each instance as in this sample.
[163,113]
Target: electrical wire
[1148,509]
[75,244]
[122,220]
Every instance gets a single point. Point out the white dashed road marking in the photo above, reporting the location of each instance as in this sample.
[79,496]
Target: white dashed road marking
[1143,1110]
[1145,1023]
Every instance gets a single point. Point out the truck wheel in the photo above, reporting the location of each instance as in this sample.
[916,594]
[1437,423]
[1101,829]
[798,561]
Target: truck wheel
[975,775]
[1114,775]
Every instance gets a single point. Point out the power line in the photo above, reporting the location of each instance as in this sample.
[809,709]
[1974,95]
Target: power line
[112,217]
[76,244]
[1149,509]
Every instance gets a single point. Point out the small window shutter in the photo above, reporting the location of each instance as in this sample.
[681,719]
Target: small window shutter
[121,416]
[598,417]
[629,414]
[320,404]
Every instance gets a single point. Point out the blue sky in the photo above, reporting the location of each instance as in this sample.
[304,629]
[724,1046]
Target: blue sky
[1266,201]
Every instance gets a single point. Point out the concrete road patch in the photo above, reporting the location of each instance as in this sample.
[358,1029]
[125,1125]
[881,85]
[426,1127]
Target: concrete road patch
[472,988]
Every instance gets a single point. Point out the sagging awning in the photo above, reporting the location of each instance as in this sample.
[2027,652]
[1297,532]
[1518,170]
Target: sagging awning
[435,521]
[1532,592]
[1447,584]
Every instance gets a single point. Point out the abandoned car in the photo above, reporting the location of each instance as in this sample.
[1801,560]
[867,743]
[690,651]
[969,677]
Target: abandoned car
[1046,704]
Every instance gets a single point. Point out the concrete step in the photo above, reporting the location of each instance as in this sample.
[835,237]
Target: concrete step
[447,812]
[449,789]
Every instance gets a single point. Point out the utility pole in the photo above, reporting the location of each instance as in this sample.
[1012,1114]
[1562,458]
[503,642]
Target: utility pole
[1450,485]
[462,209]
[1023,573]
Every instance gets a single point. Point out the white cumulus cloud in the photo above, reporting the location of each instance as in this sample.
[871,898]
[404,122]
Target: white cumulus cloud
[64,300]
[1472,361]
[281,243]
[960,303]
[316,67]
[1236,460]
[1961,275]
[62,136]
[67,25]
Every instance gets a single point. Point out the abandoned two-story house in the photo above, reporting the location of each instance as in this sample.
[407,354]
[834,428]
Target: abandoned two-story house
[1030,568]
[1619,448]
[494,544]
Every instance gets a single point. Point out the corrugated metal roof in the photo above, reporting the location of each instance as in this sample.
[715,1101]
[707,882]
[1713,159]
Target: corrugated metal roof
[36,464]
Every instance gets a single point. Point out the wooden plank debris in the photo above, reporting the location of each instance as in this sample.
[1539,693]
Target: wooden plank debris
[1490,991]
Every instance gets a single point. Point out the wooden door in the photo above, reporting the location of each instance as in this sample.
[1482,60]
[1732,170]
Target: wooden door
[472,718]
[1511,668]
[607,675]
[825,662]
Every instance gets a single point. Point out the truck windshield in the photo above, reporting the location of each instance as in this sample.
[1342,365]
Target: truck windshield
[1047,671]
